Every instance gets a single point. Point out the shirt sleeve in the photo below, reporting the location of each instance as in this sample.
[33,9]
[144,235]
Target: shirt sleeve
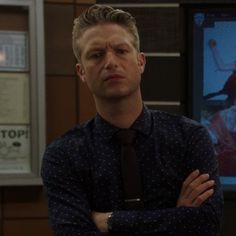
[69,210]
[203,221]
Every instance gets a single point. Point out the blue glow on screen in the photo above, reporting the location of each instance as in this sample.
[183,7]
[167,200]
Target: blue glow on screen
[211,72]
[224,32]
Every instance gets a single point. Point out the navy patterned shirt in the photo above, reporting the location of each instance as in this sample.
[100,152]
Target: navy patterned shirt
[81,173]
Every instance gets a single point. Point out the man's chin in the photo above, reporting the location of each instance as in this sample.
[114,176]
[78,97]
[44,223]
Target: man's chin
[113,97]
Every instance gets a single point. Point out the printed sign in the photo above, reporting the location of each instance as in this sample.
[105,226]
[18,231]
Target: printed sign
[15,149]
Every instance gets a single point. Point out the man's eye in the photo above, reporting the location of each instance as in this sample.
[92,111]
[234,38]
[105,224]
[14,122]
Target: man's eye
[96,55]
[121,51]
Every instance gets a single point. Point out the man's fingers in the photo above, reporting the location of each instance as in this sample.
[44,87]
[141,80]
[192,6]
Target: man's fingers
[201,188]
[196,189]
[196,183]
[202,198]
[191,177]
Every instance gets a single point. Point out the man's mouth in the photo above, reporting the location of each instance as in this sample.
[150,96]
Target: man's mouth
[114,77]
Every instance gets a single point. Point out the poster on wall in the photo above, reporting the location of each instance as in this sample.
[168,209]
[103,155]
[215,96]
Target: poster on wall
[214,84]
[14,98]
[14,51]
[15,149]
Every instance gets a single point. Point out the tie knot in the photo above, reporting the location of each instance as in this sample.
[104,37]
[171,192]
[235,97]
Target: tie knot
[125,136]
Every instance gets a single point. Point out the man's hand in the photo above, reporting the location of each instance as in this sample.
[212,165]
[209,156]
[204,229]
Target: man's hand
[100,220]
[196,189]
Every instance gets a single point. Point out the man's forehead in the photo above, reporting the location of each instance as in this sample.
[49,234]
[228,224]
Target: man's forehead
[102,35]
[103,43]
[105,31]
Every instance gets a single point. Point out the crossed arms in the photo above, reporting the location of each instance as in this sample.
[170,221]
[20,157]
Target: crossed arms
[196,189]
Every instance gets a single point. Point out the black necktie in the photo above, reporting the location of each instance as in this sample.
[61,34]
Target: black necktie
[130,169]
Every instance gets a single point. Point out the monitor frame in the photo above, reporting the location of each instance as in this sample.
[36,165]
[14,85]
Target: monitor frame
[205,15]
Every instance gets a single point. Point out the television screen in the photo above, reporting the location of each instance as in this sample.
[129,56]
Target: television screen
[213,82]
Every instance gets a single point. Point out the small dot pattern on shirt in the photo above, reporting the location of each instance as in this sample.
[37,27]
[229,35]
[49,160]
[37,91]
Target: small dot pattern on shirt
[82,173]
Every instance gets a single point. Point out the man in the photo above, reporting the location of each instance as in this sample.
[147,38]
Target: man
[82,171]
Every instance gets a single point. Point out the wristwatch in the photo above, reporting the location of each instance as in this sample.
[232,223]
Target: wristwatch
[109,225]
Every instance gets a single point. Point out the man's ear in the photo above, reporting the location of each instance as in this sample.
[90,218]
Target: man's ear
[141,61]
[80,71]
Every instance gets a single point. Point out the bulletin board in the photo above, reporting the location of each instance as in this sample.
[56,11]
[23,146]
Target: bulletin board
[22,91]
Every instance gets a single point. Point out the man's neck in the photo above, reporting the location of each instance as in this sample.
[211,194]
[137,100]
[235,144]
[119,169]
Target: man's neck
[120,113]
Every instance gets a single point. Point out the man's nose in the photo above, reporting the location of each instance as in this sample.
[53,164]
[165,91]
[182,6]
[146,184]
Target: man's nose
[110,60]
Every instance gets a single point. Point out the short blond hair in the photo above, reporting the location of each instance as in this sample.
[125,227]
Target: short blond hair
[98,14]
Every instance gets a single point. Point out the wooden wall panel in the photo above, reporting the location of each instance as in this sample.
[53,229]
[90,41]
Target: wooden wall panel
[181,110]
[27,227]
[13,18]
[164,1]
[85,1]
[86,103]
[196,1]
[61,105]
[58,1]
[206,1]
[136,1]
[80,9]
[24,202]
[163,79]
[58,28]
[159,28]
[229,226]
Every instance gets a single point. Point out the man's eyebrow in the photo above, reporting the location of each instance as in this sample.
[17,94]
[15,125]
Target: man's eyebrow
[122,44]
[96,46]
[94,49]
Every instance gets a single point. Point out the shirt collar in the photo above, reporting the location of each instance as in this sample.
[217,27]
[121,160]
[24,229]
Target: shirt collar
[142,124]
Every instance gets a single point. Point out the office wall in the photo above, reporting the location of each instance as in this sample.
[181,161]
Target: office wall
[23,210]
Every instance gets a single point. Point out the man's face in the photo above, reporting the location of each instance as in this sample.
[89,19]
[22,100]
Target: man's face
[110,64]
